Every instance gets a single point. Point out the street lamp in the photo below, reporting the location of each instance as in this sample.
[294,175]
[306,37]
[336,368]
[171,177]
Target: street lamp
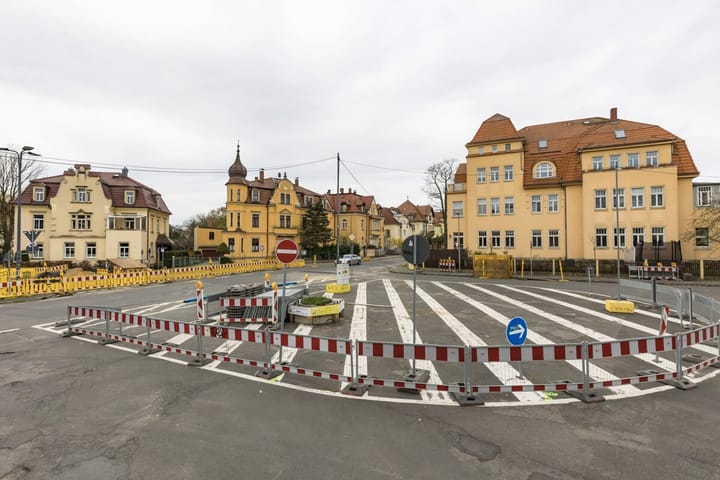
[18,252]
[617,225]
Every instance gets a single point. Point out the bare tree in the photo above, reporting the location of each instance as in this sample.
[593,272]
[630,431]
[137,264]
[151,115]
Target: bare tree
[705,225]
[9,192]
[437,177]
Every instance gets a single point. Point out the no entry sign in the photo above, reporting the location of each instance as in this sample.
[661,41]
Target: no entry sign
[286,251]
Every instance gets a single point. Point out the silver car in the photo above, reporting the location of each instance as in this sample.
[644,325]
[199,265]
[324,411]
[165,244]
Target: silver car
[350,259]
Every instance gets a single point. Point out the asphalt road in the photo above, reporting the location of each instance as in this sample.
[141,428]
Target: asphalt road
[72,410]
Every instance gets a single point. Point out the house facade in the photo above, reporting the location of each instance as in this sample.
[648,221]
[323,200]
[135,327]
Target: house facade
[259,213]
[704,230]
[572,189]
[84,215]
[356,219]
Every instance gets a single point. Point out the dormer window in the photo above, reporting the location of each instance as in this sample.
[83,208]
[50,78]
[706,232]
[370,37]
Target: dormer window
[39,194]
[544,170]
[129,197]
[619,133]
[255,196]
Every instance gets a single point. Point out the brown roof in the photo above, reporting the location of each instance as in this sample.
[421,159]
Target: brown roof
[353,201]
[496,128]
[388,217]
[567,139]
[266,187]
[113,184]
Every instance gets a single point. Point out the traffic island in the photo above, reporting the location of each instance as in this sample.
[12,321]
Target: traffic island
[308,311]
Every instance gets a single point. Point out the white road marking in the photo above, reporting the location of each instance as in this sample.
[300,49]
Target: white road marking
[594,371]
[358,331]
[9,330]
[405,325]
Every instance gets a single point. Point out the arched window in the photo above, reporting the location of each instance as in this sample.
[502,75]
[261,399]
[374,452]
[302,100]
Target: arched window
[544,170]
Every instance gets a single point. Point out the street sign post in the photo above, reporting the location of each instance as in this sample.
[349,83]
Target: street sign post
[516,331]
[286,252]
[415,249]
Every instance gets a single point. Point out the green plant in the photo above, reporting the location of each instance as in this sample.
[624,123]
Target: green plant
[315,301]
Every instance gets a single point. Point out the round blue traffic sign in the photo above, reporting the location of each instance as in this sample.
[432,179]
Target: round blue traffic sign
[516,331]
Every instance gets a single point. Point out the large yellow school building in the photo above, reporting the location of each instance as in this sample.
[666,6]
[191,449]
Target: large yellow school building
[573,189]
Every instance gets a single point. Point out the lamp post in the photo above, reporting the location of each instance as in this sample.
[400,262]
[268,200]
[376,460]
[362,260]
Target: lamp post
[457,238]
[617,225]
[19,155]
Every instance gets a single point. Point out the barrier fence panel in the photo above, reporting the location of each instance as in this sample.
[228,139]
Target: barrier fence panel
[575,367]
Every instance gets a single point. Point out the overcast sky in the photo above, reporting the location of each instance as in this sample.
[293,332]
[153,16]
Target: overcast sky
[392,86]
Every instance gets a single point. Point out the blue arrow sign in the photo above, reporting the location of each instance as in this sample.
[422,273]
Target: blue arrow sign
[516,331]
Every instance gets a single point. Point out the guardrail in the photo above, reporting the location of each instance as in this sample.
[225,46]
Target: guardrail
[464,361]
[65,285]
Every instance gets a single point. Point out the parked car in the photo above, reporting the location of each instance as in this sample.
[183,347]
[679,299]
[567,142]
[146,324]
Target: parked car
[350,259]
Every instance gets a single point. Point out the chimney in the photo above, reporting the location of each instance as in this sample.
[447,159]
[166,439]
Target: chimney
[124,172]
[297,182]
[613,114]
[329,192]
[262,174]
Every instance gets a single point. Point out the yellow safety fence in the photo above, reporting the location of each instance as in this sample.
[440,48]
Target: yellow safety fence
[64,285]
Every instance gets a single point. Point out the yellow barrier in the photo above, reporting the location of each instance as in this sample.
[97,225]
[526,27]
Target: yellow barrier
[63,284]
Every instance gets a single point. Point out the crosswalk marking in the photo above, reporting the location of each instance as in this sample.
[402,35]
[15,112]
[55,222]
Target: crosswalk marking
[405,325]
[358,331]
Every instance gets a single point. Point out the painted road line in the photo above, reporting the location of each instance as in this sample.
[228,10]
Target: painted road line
[288,353]
[595,371]
[9,330]
[646,357]
[651,331]
[511,376]
[505,372]
[227,348]
[405,325]
[358,331]
[177,340]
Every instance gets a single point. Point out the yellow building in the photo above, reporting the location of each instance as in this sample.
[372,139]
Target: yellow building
[259,213]
[551,190]
[359,220]
[83,215]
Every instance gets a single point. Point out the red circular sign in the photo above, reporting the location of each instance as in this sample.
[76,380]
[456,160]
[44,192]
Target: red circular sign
[286,251]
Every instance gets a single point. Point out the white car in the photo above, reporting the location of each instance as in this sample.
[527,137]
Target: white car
[350,259]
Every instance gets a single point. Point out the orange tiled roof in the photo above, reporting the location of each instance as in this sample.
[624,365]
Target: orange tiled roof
[567,139]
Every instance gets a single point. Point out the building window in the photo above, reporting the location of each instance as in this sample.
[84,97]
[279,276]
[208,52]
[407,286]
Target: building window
[130,223]
[507,147]
[69,250]
[614,162]
[255,244]
[597,163]
[509,173]
[601,240]
[81,194]
[129,197]
[285,220]
[651,159]
[542,143]
[80,221]
[458,209]
[494,206]
[633,160]
[231,244]
[509,238]
[619,240]
[656,196]
[256,220]
[231,220]
[554,238]
[481,149]
[658,236]
[494,148]
[704,196]
[482,206]
[637,197]
[544,170]
[90,250]
[509,205]
[211,236]
[600,199]
[536,239]
[39,194]
[482,239]
[458,240]
[553,203]
[702,237]
[38,221]
[124,249]
[285,198]
[535,204]
[494,174]
[344,224]
[495,237]
[480,174]
[38,251]
[254,196]
[638,236]
[618,200]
